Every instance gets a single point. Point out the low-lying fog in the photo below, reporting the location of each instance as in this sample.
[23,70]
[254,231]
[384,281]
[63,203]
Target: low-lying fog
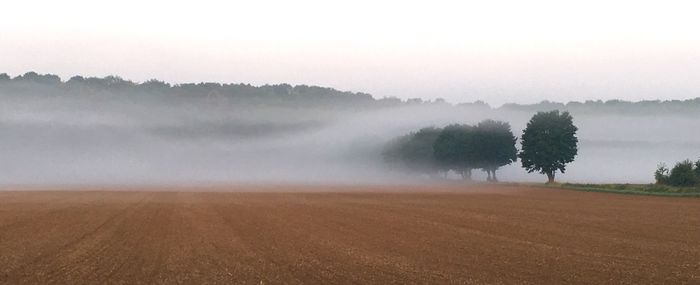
[52,140]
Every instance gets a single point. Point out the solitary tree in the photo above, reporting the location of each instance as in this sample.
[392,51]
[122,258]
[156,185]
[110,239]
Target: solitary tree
[495,146]
[549,142]
[454,149]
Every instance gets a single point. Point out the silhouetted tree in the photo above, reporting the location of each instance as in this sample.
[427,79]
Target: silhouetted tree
[494,146]
[414,152]
[549,142]
[455,149]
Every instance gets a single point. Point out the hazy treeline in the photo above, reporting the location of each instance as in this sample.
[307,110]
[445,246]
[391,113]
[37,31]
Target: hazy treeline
[279,94]
[307,96]
[648,107]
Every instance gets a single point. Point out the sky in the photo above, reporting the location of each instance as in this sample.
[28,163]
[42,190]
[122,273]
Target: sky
[462,51]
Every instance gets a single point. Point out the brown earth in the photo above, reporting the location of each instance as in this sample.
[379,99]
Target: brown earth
[337,235]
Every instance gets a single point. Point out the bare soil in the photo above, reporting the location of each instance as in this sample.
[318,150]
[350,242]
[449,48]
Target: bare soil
[441,234]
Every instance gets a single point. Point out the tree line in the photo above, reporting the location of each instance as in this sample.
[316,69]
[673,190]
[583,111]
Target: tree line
[32,83]
[305,95]
[548,143]
[684,174]
[616,107]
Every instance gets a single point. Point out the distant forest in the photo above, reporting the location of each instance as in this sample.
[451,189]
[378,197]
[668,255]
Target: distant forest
[32,83]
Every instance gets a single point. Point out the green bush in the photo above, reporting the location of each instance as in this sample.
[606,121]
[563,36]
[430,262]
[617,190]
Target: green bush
[683,174]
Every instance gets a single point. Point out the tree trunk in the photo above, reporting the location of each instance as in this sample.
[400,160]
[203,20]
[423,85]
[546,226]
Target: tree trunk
[550,177]
[493,176]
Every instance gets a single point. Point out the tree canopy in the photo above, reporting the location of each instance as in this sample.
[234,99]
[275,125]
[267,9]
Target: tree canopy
[495,146]
[549,142]
[454,149]
[457,147]
[414,151]
[684,174]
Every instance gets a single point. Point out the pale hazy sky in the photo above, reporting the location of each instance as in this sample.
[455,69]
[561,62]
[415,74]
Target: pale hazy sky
[498,51]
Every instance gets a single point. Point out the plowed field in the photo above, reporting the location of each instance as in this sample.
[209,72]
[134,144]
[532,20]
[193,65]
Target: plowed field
[338,235]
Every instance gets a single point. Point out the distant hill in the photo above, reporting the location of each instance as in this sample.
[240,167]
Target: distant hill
[32,83]
[677,107]
[51,85]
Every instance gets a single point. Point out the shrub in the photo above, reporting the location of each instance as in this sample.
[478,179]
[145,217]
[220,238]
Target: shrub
[683,174]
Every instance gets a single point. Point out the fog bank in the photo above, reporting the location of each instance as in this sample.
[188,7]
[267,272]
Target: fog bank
[49,140]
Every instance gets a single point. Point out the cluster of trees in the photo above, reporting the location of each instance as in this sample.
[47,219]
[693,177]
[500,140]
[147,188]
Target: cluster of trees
[549,142]
[460,148]
[684,174]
